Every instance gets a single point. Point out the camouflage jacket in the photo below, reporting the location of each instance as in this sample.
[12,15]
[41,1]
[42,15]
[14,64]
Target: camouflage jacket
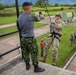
[56,27]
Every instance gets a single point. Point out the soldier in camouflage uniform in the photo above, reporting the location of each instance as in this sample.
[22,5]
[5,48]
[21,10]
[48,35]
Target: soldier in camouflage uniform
[29,43]
[71,39]
[75,37]
[54,39]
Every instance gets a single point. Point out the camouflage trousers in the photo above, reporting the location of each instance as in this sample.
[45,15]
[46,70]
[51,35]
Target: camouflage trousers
[41,52]
[29,46]
[75,39]
[55,43]
[71,42]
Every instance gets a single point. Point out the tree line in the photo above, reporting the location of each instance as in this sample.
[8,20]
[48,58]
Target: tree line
[39,3]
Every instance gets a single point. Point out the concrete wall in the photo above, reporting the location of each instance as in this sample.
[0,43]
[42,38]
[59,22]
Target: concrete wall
[17,67]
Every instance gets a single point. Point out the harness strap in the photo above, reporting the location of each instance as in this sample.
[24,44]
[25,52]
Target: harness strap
[54,34]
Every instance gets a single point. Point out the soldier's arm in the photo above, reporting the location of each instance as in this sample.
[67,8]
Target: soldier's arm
[51,27]
[60,26]
[63,23]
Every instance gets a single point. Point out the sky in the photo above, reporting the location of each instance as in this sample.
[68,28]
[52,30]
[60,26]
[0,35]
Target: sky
[9,2]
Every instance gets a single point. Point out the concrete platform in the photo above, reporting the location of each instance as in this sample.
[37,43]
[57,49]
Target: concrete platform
[18,68]
[72,65]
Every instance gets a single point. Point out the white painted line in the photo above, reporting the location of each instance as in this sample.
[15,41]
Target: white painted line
[67,64]
[9,61]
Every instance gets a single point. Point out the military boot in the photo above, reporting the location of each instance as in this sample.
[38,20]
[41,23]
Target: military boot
[54,62]
[27,66]
[38,69]
[44,59]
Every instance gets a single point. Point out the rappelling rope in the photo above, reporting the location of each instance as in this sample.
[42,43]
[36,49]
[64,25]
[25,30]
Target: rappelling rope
[47,10]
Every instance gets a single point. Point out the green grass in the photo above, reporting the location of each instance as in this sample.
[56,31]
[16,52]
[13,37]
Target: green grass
[8,29]
[38,25]
[64,48]
[54,12]
[13,28]
[7,20]
[36,8]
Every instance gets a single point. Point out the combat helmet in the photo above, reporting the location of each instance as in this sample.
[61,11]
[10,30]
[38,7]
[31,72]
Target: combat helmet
[58,14]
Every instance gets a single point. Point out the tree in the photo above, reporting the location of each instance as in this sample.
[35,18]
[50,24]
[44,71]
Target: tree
[41,3]
[56,4]
[74,5]
[2,7]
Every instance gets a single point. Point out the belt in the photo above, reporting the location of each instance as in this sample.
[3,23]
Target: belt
[54,34]
[28,37]
[57,38]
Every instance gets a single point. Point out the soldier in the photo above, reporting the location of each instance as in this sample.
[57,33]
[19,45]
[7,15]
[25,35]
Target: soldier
[75,37]
[41,15]
[71,39]
[29,43]
[42,45]
[45,39]
[54,39]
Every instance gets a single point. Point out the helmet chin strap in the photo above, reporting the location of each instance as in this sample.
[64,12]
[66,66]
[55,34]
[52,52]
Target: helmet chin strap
[47,10]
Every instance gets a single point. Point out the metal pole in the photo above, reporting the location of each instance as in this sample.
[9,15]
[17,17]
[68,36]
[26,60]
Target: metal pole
[17,11]
[3,54]
[17,8]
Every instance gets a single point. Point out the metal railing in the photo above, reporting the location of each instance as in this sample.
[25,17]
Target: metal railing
[14,49]
[3,54]
[2,35]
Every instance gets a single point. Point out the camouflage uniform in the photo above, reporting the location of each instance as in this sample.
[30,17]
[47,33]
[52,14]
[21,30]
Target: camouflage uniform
[54,38]
[75,37]
[71,39]
[29,45]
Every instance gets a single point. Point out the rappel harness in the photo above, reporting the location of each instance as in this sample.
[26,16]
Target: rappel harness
[54,35]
